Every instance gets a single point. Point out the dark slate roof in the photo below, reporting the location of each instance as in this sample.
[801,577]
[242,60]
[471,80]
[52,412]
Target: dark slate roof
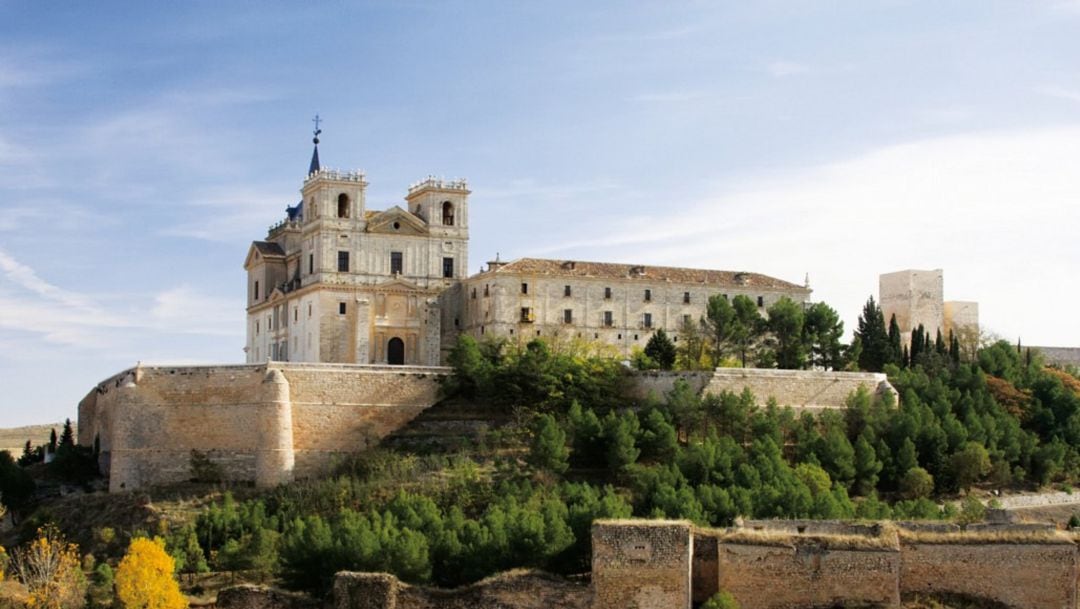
[269,249]
[314,161]
[295,212]
[577,268]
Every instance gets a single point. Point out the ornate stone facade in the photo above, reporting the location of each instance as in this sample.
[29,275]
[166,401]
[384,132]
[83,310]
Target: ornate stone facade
[336,282]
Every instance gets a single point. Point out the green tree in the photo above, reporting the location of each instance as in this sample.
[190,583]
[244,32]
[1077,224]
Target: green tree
[969,464]
[916,483]
[746,327]
[873,338]
[867,467]
[548,450]
[785,322]
[971,511]
[720,319]
[661,350]
[895,348]
[620,432]
[822,331]
[67,438]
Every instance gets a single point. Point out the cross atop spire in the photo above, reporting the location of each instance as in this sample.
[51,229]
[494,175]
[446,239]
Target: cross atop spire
[315,140]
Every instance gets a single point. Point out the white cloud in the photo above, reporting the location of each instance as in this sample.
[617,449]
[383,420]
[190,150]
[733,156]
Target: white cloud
[31,305]
[998,211]
[1059,92]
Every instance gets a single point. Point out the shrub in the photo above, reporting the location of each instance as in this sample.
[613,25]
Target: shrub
[721,600]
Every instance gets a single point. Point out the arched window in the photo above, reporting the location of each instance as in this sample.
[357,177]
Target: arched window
[448,213]
[343,205]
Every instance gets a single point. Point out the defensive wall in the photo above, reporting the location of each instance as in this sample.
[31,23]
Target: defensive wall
[811,390]
[797,564]
[266,423]
[277,422]
[642,564]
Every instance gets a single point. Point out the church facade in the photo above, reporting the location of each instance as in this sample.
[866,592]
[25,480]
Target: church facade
[336,282]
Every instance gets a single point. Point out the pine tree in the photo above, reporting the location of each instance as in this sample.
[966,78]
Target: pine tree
[874,338]
[52,441]
[548,449]
[661,350]
[67,439]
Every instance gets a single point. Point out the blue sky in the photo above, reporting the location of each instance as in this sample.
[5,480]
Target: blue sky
[144,145]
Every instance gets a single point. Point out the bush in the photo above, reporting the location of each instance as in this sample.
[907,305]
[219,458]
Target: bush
[205,470]
[721,600]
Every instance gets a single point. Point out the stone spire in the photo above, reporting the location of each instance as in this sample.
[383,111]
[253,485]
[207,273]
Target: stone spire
[315,140]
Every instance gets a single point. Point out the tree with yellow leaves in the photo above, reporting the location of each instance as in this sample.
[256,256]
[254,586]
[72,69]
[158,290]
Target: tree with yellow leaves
[144,579]
[49,568]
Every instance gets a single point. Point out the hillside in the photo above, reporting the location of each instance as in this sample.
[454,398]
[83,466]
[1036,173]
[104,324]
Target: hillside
[13,439]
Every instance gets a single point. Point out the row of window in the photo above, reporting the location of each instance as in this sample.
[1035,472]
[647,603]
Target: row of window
[283,320]
[568,292]
[529,316]
[397,264]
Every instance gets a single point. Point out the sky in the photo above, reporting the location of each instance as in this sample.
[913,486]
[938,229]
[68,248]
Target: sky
[143,146]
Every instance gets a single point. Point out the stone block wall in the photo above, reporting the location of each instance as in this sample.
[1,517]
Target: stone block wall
[915,297]
[263,423]
[513,590]
[1025,576]
[801,389]
[776,572]
[642,564]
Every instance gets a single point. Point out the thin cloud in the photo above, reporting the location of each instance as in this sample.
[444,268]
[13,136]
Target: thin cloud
[995,210]
[1072,95]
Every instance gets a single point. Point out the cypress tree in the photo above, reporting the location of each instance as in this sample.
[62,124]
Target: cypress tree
[939,343]
[894,341]
[52,441]
[873,337]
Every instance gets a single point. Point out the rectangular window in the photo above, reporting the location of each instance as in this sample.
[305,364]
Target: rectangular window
[256,290]
[341,308]
[296,314]
[566,290]
[447,267]
[646,320]
[310,264]
[256,327]
[486,291]
[343,262]
[568,316]
[309,310]
[760,301]
[396,263]
[648,295]
[524,288]
[686,320]
[609,319]
[686,297]
[607,293]
[526,315]
[474,293]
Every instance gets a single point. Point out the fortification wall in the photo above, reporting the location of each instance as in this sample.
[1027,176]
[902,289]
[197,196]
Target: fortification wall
[655,384]
[641,563]
[1022,575]
[781,572]
[513,590]
[801,389]
[263,423]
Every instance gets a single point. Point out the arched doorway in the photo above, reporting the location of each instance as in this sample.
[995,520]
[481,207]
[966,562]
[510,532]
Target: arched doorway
[395,352]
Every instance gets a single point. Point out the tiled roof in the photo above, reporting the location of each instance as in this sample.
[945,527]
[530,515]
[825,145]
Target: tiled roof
[577,268]
[268,249]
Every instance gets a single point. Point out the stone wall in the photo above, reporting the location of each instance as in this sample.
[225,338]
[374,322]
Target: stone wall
[1060,356]
[776,571]
[1022,575]
[263,423]
[513,590]
[800,389]
[645,564]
